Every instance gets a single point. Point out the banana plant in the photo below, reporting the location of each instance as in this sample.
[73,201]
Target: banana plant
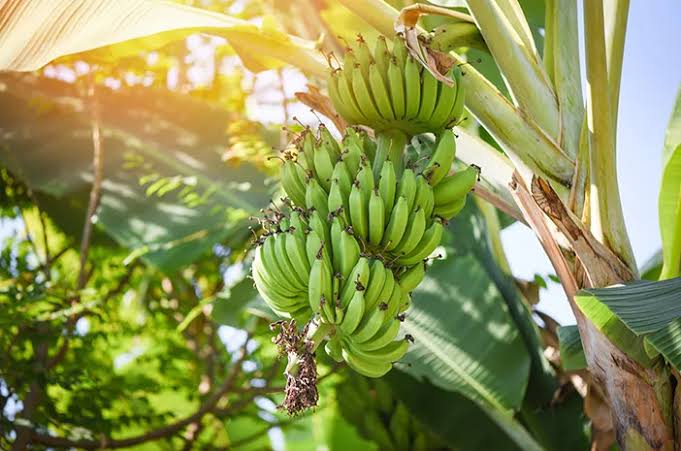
[563,150]
[557,172]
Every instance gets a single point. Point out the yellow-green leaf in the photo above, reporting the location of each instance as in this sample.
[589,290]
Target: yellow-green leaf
[35,32]
[670,196]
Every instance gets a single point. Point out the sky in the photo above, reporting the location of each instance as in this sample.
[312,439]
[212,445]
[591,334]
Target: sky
[651,77]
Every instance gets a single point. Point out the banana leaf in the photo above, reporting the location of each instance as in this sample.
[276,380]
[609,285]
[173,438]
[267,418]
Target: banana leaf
[148,136]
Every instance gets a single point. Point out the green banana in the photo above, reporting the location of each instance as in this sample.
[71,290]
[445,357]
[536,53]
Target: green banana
[386,187]
[430,240]
[446,211]
[407,187]
[334,349]
[412,85]
[282,305]
[394,303]
[272,266]
[323,165]
[380,92]
[315,247]
[358,213]
[397,95]
[289,252]
[397,224]
[353,313]
[382,150]
[386,290]
[382,57]
[392,352]
[425,198]
[279,295]
[455,186]
[319,225]
[371,323]
[363,97]
[428,97]
[358,277]
[405,302]
[383,337]
[349,249]
[320,285]
[366,367]
[329,142]
[412,277]
[352,156]
[364,57]
[316,197]
[443,156]
[298,223]
[413,233]
[335,234]
[377,278]
[293,187]
[376,218]
[400,51]
[341,106]
[307,146]
[347,95]
[342,175]
[445,101]
[456,115]
[379,434]
[365,177]
[336,201]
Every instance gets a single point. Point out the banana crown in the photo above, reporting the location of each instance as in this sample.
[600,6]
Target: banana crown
[387,89]
[353,237]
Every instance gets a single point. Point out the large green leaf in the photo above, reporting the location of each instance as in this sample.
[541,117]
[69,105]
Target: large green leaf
[35,32]
[548,421]
[642,310]
[325,429]
[571,350]
[465,339]
[643,306]
[455,419]
[173,138]
[670,196]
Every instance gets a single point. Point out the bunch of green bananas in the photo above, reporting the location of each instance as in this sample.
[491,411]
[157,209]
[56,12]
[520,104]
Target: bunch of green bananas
[361,225]
[390,90]
[368,404]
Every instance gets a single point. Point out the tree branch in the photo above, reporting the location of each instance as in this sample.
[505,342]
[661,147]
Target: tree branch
[162,432]
[260,433]
[95,192]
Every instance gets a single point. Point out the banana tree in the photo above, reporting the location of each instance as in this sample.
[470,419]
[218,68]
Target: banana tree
[564,181]
[556,171]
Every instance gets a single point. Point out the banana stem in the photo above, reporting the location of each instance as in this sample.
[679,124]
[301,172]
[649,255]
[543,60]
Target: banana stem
[315,335]
[390,146]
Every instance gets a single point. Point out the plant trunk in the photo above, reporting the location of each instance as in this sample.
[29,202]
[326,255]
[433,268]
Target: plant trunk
[640,398]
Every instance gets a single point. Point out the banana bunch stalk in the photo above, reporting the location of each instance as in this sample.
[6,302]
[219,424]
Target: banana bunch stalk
[356,240]
[390,90]
[369,405]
